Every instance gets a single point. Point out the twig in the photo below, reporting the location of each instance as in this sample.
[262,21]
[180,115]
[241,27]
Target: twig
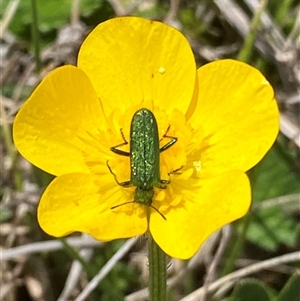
[140,295]
[279,201]
[282,269]
[247,49]
[293,99]
[254,268]
[106,269]
[121,10]
[205,253]
[238,19]
[232,277]
[47,246]
[7,16]
[294,34]
[173,12]
[23,81]
[117,7]
[289,129]
[75,12]
[74,274]
[267,22]
[6,132]
[216,260]
[6,288]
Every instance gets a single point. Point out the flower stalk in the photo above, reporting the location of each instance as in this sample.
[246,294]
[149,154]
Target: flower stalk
[35,35]
[157,271]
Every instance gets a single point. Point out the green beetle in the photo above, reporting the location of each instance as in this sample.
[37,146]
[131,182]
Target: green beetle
[144,157]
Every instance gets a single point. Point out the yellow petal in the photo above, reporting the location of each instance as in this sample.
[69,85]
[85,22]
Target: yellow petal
[217,201]
[53,125]
[239,116]
[133,60]
[74,202]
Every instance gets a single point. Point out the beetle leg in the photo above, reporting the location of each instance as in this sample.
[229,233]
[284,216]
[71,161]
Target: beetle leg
[175,171]
[123,184]
[118,151]
[170,143]
[162,184]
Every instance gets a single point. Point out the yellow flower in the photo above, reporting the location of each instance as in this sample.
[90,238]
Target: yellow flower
[224,116]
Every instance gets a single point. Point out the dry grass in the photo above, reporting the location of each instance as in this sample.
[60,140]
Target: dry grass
[33,266]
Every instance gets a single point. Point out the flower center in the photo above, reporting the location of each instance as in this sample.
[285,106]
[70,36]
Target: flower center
[164,158]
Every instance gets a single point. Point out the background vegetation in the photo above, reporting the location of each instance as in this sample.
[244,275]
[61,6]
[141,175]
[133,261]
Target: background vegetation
[256,258]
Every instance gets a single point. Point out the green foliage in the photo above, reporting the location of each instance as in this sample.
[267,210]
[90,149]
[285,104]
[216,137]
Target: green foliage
[5,214]
[271,227]
[196,28]
[115,285]
[274,176]
[52,14]
[255,290]
[250,290]
[291,291]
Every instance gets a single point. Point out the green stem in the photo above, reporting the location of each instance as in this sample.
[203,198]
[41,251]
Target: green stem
[157,271]
[246,51]
[282,12]
[76,256]
[238,246]
[35,35]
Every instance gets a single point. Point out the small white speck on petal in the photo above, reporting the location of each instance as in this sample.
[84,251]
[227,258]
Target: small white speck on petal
[197,166]
[161,70]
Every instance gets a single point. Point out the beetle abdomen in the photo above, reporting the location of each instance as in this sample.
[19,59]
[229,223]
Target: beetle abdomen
[144,149]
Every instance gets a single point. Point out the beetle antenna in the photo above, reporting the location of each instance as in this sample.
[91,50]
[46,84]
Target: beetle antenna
[158,212]
[110,170]
[114,207]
